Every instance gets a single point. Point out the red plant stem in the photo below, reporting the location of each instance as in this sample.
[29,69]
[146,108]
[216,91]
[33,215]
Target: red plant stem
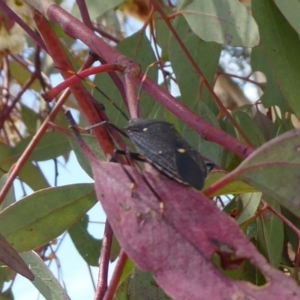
[116,276]
[77,77]
[84,99]
[130,75]
[104,262]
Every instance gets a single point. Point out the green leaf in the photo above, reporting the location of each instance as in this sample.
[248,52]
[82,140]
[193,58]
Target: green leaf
[272,95]
[162,35]
[115,249]
[21,75]
[271,235]
[5,151]
[45,281]
[30,119]
[291,235]
[10,196]
[52,145]
[36,180]
[93,144]
[122,292]
[235,187]
[274,169]
[229,160]
[291,11]
[282,125]
[112,21]
[225,22]
[86,244]
[280,44]
[249,127]
[128,270]
[206,56]
[209,150]
[141,285]
[253,274]
[250,203]
[44,215]
[264,124]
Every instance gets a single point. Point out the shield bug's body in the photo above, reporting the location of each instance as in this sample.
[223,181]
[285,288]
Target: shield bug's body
[165,149]
[160,144]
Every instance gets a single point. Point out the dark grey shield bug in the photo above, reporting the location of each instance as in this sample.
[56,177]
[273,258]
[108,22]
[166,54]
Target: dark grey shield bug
[165,149]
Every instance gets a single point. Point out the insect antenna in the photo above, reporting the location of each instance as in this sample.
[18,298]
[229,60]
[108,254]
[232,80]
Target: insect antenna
[141,85]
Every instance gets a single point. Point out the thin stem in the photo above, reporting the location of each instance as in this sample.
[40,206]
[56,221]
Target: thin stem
[104,262]
[77,77]
[116,276]
[84,13]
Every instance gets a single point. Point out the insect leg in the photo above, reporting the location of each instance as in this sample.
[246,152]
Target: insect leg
[133,157]
[209,166]
[116,159]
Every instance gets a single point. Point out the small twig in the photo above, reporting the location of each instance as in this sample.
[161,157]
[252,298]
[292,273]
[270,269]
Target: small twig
[84,99]
[245,78]
[77,77]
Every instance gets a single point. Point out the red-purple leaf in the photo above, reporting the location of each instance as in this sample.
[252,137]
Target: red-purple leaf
[177,245]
